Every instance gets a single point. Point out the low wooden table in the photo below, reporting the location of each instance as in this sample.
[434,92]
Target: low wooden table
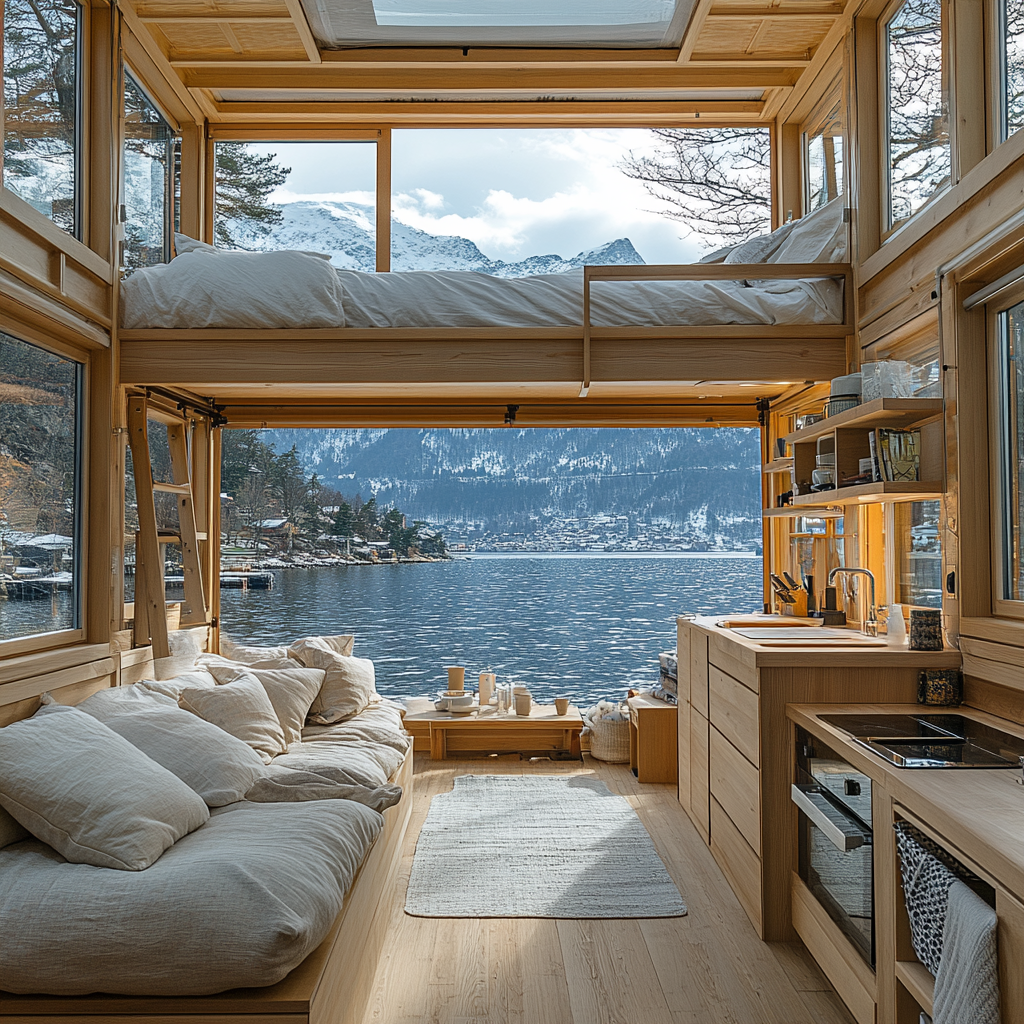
[482,733]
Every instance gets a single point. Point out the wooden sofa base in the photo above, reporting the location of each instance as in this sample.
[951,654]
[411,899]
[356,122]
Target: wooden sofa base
[333,984]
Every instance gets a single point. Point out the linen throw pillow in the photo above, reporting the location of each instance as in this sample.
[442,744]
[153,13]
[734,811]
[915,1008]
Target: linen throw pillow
[247,655]
[291,689]
[90,794]
[341,644]
[241,708]
[349,685]
[213,763]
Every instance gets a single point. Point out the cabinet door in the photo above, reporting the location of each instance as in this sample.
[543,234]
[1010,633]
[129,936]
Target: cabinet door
[683,741]
[700,810]
[699,670]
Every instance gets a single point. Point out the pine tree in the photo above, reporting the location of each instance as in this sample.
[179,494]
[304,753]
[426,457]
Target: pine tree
[244,181]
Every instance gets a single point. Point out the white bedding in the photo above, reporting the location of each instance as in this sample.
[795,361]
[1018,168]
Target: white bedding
[208,288]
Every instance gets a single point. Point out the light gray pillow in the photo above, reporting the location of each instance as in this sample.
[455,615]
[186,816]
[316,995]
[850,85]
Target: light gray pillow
[186,243]
[90,794]
[216,765]
[349,684]
[291,689]
[760,247]
[242,708]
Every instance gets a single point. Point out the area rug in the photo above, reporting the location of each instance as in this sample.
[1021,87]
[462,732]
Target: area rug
[537,846]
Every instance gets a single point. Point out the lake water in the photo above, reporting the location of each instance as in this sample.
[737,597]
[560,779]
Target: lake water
[586,626]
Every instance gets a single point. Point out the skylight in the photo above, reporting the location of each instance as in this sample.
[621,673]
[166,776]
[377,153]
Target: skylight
[462,23]
[464,13]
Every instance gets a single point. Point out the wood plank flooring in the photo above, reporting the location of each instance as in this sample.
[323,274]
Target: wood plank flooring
[706,968]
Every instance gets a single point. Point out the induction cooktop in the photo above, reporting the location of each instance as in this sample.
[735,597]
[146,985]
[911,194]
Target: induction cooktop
[932,741]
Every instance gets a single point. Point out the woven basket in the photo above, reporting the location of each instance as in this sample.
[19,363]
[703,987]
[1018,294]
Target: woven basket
[609,740]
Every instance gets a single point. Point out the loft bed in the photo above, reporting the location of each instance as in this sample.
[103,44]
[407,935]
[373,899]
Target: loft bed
[231,324]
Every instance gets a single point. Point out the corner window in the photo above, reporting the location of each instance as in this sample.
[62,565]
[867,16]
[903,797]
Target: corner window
[40,456]
[1010,369]
[916,109]
[1012,65]
[824,160]
[152,162]
[42,100]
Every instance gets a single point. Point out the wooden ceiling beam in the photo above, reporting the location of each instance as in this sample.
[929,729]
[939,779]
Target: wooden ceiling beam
[480,79]
[305,32]
[270,20]
[712,113]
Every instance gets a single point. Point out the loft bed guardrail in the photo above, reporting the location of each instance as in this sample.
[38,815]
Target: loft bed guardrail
[223,360]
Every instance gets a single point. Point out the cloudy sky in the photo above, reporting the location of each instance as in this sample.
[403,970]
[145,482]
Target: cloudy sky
[514,192]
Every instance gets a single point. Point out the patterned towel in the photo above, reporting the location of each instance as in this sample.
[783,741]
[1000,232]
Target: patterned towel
[967,984]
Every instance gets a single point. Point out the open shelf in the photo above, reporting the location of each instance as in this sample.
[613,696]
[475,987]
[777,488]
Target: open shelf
[879,490]
[882,412]
[777,466]
[918,981]
[813,512]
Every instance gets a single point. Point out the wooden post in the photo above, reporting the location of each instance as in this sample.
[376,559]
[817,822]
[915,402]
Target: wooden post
[383,217]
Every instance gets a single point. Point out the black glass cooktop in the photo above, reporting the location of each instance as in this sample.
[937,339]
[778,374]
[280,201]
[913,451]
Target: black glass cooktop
[932,741]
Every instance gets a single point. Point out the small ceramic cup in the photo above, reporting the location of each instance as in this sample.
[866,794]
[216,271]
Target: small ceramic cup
[562,705]
[524,704]
[456,677]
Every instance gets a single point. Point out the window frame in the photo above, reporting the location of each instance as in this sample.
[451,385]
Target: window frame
[889,227]
[832,106]
[995,16]
[48,641]
[1002,606]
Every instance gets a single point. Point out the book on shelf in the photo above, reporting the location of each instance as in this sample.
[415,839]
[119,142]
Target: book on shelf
[895,454]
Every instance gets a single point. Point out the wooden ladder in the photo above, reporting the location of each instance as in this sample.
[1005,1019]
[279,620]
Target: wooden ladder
[150,592]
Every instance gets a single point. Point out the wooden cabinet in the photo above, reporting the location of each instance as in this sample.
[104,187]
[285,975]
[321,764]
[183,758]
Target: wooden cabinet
[653,749]
[734,747]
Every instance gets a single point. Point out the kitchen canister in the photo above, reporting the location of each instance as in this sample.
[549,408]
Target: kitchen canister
[940,687]
[926,629]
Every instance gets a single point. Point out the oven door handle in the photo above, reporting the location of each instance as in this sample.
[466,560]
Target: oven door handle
[841,831]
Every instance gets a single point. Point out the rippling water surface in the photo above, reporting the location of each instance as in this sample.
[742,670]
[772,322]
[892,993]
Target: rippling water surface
[580,625]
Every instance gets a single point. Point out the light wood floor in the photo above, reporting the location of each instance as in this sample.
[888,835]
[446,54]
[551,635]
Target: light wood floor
[706,968]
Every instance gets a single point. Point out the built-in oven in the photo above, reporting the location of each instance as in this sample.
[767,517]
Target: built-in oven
[835,848]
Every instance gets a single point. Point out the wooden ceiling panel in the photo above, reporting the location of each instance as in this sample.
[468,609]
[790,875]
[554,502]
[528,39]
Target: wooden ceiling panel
[211,9]
[770,37]
[277,40]
[759,8]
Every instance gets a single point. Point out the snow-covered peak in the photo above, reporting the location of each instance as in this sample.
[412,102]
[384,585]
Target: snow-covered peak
[344,229]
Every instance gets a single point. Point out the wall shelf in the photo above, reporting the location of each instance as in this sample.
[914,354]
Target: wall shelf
[879,490]
[882,412]
[778,466]
[813,512]
[918,981]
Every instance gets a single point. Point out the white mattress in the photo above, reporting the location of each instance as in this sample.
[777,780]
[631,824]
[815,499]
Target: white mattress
[214,288]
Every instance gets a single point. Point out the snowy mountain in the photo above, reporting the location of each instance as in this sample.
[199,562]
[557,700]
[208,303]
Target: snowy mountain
[705,482]
[345,230]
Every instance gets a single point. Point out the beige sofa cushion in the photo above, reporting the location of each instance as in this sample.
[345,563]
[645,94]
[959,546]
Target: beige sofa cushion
[90,794]
[349,685]
[210,761]
[291,691]
[341,644]
[196,677]
[241,708]
[249,654]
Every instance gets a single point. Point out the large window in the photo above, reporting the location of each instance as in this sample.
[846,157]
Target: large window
[916,109]
[315,196]
[918,553]
[42,90]
[1010,363]
[1012,57]
[40,431]
[152,158]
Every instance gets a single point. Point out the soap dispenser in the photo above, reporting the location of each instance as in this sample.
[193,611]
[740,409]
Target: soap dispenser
[896,628]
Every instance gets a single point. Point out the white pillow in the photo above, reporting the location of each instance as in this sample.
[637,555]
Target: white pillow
[90,794]
[248,655]
[216,765]
[760,247]
[820,237]
[172,687]
[185,243]
[349,685]
[241,708]
[341,643]
[291,691]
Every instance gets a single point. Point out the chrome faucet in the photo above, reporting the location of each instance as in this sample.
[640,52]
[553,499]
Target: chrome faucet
[870,625]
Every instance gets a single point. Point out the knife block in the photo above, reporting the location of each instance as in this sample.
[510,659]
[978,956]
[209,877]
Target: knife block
[799,606]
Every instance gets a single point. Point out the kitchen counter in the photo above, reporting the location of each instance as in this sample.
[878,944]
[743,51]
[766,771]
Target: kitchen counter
[735,761]
[980,810]
[976,815]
